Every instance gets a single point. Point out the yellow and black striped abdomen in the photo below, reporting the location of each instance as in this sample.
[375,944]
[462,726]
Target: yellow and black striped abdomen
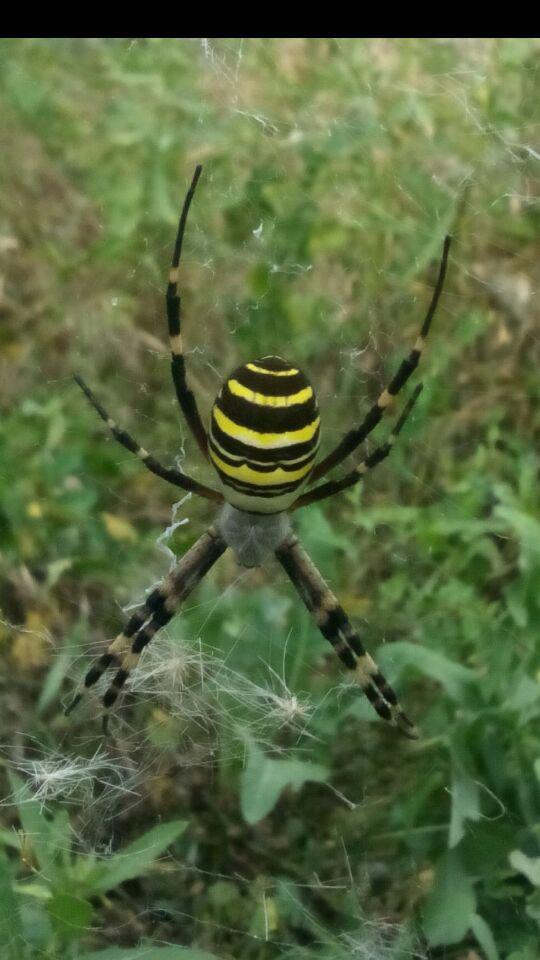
[264,434]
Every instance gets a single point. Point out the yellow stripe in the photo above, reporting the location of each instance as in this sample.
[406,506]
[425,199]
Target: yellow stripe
[265,440]
[247,475]
[262,400]
[252,460]
[273,373]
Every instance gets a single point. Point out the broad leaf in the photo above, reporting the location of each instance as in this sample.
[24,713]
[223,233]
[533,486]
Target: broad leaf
[484,937]
[452,676]
[149,953]
[465,804]
[451,905]
[36,827]
[530,866]
[135,859]
[70,916]
[11,935]
[263,780]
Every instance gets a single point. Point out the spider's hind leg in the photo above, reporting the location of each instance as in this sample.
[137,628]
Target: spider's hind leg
[164,606]
[117,650]
[336,627]
[124,652]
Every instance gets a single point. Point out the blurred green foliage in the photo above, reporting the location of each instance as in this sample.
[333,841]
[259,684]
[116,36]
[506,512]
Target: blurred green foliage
[332,170]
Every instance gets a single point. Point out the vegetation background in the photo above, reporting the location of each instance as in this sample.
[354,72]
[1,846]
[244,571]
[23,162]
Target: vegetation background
[247,803]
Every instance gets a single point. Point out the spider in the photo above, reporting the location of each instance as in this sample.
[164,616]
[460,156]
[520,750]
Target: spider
[262,441]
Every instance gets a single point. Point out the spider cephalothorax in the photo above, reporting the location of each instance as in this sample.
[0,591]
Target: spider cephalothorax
[262,441]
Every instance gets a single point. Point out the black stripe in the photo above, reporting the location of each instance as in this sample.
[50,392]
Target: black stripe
[276,455]
[378,705]
[387,691]
[334,623]
[346,656]
[120,679]
[255,465]
[153,602]
[264,493]
[254,490]
[266,419]
[95,672]
[143,638]
[270,386]
[406,368]
[173,310]
[354,641]
[118,682]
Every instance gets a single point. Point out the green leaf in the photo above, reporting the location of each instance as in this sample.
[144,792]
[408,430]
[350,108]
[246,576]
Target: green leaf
[465,804]
[60,666]
[485,850]
[8,838]
[37,927]
[526,529]
[35,825]
[11,935]
[61,839]
[450,906]
[263,780]
[70,916]
[149,953]
[485,937]
[527,953]
[530,866]
[135,859]
[533,906]
[524,697]
[452,676]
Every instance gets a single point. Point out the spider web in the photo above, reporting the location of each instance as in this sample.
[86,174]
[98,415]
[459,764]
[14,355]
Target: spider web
[332,170]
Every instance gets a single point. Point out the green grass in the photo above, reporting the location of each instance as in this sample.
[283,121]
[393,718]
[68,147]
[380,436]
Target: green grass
[247,803]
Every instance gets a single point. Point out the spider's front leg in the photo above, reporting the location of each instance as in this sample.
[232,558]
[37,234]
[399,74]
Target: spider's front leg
[185,395]
[160,606]
[170,474]
[352,440]
[336,627]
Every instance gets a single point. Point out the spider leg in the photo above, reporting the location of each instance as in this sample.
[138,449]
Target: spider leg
[186,398]
[159,608]
[336,627]
[368,463]
[173,476]
[355,437]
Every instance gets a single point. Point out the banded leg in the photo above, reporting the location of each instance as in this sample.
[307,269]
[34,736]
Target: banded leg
[355,437]
[160,606]
[186,398]
[336,627]
[368,463]
[173,476]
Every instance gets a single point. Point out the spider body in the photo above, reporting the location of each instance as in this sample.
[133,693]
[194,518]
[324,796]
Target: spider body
[264,435]
[253,537]
[262,441]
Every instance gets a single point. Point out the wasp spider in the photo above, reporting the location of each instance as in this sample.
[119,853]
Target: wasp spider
[262,441]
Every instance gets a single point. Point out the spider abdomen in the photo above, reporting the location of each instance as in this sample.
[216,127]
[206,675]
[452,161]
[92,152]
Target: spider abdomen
[264,435]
